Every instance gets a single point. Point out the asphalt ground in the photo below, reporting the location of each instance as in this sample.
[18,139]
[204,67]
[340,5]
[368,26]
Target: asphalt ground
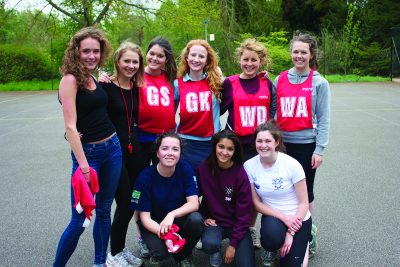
[357,187]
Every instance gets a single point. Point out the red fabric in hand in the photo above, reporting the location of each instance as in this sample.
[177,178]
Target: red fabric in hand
[173,240]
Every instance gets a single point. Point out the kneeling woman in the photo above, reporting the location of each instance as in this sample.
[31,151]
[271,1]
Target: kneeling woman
[166,193]
[280,194]
[227,205]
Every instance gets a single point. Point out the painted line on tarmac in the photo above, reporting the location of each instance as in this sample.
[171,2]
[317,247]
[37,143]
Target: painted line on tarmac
[25,126]
[368,109]
[37,118]
[18,98]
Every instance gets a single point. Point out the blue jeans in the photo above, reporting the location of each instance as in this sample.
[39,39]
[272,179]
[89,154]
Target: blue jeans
[105,158]
[212,237]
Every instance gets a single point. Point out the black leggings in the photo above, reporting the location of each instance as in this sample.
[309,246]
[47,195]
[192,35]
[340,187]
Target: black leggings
[303,154]
[123,214]
[190,227]
[272,236]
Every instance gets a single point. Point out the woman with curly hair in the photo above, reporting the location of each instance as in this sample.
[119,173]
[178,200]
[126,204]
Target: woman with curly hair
[249,100]
[96,151]
[197,90]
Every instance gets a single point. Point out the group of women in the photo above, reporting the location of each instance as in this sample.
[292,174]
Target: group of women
[114,127]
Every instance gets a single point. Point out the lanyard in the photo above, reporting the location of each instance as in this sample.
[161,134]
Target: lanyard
[128,116]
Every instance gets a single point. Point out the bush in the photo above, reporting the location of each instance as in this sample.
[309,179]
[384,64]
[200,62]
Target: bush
[373,60]
[23,63]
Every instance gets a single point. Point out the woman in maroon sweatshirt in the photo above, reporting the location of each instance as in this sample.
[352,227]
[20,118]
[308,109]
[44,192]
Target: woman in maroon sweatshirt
[226,206]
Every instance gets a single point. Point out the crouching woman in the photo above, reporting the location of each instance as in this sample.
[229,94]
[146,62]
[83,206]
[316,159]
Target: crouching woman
[164,194]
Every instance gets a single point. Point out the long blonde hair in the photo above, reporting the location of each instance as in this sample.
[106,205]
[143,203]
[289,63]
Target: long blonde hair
[212,70]
[71,61]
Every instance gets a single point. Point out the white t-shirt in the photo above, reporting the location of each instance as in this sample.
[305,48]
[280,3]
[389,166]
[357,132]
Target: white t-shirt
[275,185]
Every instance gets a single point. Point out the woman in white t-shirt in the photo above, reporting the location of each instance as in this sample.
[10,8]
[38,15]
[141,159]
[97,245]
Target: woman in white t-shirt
[280,194]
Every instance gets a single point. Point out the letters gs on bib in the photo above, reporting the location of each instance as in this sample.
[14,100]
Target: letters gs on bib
[155,97]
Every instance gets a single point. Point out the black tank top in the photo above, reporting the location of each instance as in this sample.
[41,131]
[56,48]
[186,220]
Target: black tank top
[92,118]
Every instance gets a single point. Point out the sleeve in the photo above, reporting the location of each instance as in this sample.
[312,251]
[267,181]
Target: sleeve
[244,209]
[274,89]
[204,210]
[227,96]
[141,195]
[272,105]
[176,90]
[198,180]
[189,179]
[297,172]
[322,112]
[247,168]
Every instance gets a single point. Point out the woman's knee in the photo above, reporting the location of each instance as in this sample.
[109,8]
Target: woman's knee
[195,222]
[210,245]
[272,233]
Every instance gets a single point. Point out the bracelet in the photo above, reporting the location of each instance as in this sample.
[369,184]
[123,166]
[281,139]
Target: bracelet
[85,172]
[291,232]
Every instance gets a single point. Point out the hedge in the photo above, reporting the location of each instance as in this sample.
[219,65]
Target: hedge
[19,63]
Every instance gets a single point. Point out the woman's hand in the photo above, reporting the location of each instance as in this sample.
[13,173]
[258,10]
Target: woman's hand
[264,75]
[229,255]
[293,222]
[210,222]
[104,77]
[165,225]
[286,245]
[316,160]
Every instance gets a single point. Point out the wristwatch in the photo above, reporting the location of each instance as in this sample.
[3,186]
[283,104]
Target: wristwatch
[291,232]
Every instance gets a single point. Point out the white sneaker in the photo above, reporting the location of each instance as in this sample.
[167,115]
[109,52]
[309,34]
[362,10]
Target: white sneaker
[144,251]
[199,245]
[117,260]
[132,259]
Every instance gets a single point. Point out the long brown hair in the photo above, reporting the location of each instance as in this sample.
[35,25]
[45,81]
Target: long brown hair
[170,65]
[71,61]
[313,46]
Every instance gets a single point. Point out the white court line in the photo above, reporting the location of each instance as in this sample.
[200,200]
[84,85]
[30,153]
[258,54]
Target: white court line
[18,98]
[33,118]
[368,109]
[20,128]
[26,110]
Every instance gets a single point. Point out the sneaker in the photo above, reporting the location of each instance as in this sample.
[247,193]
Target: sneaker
[143,250]
[100,265]
[199,245]
[268,258]
[312,247]
[117,260]
[216,259]
[132,259]
[187,262]
[254,237]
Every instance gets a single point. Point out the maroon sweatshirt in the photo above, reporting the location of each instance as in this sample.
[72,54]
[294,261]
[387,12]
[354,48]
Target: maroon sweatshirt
[226,199]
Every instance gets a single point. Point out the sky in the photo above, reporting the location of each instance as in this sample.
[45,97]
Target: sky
[39,4]
[25,4]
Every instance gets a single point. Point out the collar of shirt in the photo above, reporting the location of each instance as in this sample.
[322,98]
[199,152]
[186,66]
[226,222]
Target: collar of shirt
[188,78]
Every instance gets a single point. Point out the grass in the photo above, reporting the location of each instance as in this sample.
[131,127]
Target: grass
[335,78]
[29,86]
[47,85]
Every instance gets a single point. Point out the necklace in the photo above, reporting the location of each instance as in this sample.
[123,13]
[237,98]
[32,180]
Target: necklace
[128,116]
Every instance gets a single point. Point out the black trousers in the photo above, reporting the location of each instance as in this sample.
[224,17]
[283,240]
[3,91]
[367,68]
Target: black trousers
[272,236]
[303,154]
[190,226]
